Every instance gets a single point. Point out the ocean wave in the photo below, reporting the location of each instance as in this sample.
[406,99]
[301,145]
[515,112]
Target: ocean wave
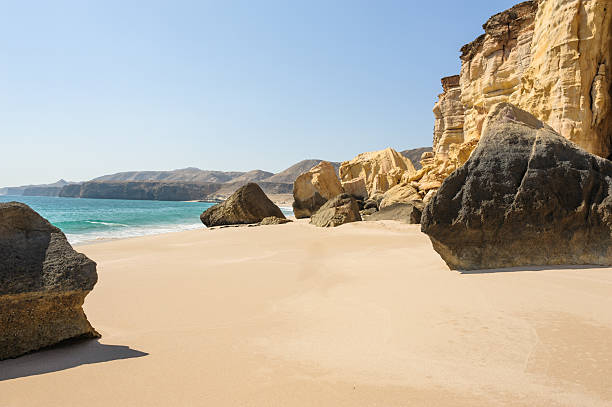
[99,222]
[129,232]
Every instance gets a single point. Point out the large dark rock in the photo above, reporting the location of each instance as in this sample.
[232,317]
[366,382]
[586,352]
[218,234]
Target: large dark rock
[43,283]
[526,196]
[401,212]
[249,204]
[337,211]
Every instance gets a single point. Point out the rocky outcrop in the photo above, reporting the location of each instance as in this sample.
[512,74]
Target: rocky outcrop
[401,212]
[549,58]
[290,174]
[43,283]
[402,193]
[273,220]
[526,196]
[313,188]
[567,82]
[337,211]
[375,172]
[247,205]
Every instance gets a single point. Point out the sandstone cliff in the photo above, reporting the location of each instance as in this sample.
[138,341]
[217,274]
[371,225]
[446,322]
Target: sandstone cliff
[548,57]
[375,172]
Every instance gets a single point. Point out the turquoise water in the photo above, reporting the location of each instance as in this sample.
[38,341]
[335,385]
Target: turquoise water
[86,220]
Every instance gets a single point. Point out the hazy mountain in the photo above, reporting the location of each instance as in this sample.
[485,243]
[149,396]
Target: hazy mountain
[290,174]
[34,190]
[252,176]
[181,175]
[414,155]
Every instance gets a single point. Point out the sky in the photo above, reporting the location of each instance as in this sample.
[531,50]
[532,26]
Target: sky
[89,88]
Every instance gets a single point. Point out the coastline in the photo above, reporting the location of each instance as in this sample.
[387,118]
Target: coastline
[363,314]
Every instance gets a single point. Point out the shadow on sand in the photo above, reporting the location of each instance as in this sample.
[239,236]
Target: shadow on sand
[533,268]
[64,356]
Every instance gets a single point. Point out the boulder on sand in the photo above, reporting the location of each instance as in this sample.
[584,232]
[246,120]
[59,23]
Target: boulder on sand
[249,204]
[526,196]
[401,212]
[337,211]
[43,283]
[313,188]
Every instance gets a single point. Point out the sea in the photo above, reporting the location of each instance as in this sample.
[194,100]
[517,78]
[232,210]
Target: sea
[89,220]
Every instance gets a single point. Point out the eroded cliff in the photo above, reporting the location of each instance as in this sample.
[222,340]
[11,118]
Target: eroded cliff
[547,57]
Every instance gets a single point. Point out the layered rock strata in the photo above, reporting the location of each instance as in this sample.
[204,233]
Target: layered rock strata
[43,284]
[526,196]
[547,57]
[313,188]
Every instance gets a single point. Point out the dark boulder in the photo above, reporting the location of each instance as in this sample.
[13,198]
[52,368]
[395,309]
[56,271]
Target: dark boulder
[337,211]
[401,212]
[526,196]
[43,283]
[249,204]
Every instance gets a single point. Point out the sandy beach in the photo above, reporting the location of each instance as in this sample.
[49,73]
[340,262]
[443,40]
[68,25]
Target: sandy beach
[366,314]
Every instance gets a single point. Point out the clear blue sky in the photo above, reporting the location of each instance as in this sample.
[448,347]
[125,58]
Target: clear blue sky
[89,88]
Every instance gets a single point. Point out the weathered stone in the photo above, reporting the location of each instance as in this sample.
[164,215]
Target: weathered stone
[374,172]
[249,204]
[356,187]
[337,211]
[526,196]
[273,220]
[403,193]
[401,212]
[550,58]
[367,212]
[43,283]
[313,188]
[370,204]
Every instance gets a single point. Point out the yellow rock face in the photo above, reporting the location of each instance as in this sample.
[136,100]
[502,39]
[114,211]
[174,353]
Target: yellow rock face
[315,187]
[568,80]
[375,172]
[551,58]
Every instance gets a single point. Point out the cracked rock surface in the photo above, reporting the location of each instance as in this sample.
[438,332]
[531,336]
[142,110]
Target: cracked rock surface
[43,283]
[527,196]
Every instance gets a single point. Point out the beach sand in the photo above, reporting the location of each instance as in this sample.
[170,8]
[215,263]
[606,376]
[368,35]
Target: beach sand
[362,315]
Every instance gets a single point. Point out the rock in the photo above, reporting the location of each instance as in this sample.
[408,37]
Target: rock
[273,220]
[356,187]
[43,283]
[337,211]
[401,212]
[368,212]
[370,204]
[403,193]
[374,172]
[550,58]
[526,196]
[249,204]
[415,155]
[429,196]
[313,188]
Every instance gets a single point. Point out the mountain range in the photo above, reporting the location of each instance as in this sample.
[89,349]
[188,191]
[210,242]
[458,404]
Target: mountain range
[181,184]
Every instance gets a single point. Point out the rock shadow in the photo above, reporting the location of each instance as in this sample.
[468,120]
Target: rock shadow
[533,268]
[66,355]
